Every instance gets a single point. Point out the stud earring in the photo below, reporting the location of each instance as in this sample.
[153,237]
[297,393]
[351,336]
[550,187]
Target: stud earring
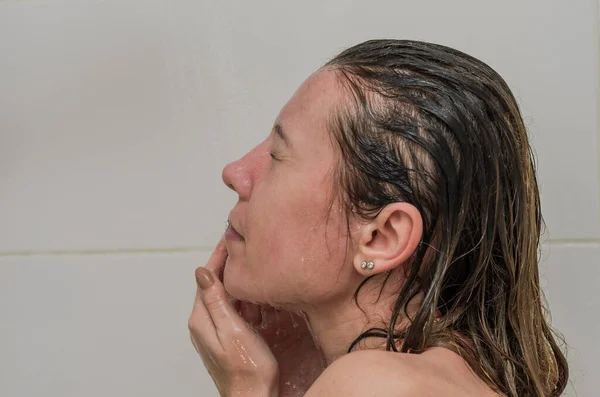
[367,265]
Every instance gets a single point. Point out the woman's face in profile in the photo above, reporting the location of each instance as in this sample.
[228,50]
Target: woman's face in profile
[294,240]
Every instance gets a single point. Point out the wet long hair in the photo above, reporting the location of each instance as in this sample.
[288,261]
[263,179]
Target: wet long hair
[434,127]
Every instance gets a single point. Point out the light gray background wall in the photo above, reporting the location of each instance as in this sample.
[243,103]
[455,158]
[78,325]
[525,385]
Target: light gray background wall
[117,116]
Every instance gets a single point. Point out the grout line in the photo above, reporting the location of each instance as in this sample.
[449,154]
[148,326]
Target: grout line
[118,251]
[592,242]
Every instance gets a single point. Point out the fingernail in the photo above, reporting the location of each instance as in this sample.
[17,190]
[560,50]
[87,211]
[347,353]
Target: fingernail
[204,278]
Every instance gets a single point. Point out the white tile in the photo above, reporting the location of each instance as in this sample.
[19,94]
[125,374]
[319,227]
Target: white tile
[99,326]
[110,133]
[117,324]
[570,277]
[116,117]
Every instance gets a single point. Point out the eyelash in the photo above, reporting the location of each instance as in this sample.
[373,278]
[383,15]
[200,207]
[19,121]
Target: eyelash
[274,156]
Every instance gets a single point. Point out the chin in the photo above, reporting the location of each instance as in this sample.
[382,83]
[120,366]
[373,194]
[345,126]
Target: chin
[235,283]
[229,280]
[245,285]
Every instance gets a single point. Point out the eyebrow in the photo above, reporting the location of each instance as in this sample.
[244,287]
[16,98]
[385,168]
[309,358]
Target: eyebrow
[278,129]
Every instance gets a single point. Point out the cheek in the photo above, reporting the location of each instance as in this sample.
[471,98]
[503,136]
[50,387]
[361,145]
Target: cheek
[292,249]
[271,229]
[294,252]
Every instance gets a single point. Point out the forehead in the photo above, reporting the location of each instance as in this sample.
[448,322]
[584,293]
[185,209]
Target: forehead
[307,114]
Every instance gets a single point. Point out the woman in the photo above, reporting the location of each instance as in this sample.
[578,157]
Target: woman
[385,240]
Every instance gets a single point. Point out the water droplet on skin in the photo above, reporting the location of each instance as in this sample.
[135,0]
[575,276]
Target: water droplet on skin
[263,314]
[243,353]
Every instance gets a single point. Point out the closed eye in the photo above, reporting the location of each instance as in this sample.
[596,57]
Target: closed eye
[274,156]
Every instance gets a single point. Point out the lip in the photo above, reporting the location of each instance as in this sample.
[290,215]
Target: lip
[231,233]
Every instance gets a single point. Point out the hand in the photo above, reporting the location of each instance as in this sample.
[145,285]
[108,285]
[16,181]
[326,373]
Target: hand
[236,357]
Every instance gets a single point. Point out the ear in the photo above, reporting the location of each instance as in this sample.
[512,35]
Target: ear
[390,239]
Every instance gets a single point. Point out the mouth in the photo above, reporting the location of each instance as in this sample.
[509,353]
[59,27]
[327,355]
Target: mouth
[231,233]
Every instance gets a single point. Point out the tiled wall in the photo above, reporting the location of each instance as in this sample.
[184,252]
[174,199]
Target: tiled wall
[117,116]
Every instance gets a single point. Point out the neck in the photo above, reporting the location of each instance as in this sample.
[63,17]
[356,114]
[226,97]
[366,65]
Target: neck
[334,325]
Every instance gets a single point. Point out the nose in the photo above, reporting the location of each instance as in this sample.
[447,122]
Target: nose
[232,176]
[227,175]
[237,175]
[242,174]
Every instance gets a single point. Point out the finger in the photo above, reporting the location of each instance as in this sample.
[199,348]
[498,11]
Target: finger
[195,343]
[200,323]
[216,302]
[207,358]
[217,260]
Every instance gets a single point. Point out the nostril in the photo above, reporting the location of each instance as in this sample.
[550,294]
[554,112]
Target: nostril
[227,176]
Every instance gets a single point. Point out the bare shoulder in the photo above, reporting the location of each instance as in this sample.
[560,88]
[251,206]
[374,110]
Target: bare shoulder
[366,373]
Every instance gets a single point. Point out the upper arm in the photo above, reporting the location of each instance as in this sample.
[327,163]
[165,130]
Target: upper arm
[366,373]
